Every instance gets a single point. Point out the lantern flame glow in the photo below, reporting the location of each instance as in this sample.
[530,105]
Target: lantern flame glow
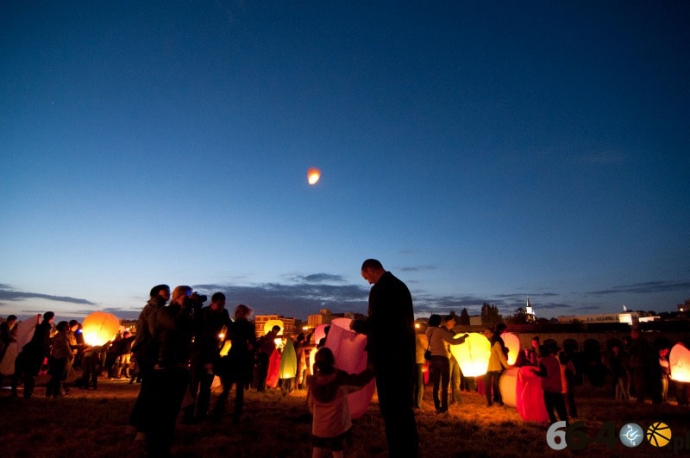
[679,360]
[512,342]
[313,175]
[473,355]
[99,328]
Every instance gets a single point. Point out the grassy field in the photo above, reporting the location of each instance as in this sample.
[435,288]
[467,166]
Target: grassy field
[93,423]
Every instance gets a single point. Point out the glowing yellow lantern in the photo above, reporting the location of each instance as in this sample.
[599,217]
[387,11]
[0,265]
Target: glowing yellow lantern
[312,359]
[508,386]
[269,325]
[679,360]
[473,355]
[100,327]
[512,342]
[313,175]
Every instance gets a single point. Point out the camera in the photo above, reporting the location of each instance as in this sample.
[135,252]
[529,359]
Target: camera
[201,298]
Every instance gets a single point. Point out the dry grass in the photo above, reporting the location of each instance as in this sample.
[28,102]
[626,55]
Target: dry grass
[92,424]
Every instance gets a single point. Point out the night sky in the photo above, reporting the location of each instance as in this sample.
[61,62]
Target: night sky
[482,151]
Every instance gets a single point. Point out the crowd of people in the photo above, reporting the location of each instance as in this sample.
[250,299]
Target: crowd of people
[180,345]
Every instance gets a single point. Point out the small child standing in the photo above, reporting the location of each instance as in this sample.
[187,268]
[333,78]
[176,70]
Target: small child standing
[327,400]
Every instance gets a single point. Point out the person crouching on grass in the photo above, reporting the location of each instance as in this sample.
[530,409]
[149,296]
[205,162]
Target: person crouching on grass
[327,400]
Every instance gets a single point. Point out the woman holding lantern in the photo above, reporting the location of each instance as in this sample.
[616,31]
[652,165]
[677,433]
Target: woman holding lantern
[440,337]
[498,362]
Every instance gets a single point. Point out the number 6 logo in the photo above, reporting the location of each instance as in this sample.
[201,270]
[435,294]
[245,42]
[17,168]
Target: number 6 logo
[555,436]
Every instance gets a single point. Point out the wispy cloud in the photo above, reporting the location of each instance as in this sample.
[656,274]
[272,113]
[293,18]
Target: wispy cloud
[417,269]
[646,288]
[9,294]
[293,299]
[319,278]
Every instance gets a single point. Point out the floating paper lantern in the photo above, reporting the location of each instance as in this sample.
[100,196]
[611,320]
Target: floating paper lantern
[512,342]
[349,350]
[508,386]
[473,355]
[679,360]
[313,175]
[99,328]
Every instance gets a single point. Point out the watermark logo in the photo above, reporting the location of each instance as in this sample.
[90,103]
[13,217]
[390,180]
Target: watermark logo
[659,434]
[631,435]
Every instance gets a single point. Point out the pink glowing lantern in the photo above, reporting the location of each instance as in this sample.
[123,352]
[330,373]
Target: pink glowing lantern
[679,360]
[349,349]
[512,342]
[530,396]
[99,328]
[319,333]
[473,355]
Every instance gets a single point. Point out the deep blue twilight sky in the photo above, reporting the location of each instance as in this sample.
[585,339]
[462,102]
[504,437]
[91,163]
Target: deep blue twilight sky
[483,151]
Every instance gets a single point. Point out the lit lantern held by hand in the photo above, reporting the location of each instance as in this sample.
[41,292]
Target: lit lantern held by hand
[512,342]
[269,325]
[313,175]
[99,328]
[679,360]
[473,355]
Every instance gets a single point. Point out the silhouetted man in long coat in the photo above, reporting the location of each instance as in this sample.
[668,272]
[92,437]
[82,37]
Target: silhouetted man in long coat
[391,347]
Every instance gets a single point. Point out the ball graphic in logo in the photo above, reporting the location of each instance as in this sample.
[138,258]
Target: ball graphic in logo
[631,435]
[659,434]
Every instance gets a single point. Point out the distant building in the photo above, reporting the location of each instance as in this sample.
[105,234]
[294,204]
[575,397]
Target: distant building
[289,327]
[625,317]
[530,316]
[476,320]
[325,316]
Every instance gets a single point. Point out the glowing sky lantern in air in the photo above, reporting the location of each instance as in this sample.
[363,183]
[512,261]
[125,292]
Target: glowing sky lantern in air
[473,355]
[313,175]
[100,327]
[512,342]
[679,360]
